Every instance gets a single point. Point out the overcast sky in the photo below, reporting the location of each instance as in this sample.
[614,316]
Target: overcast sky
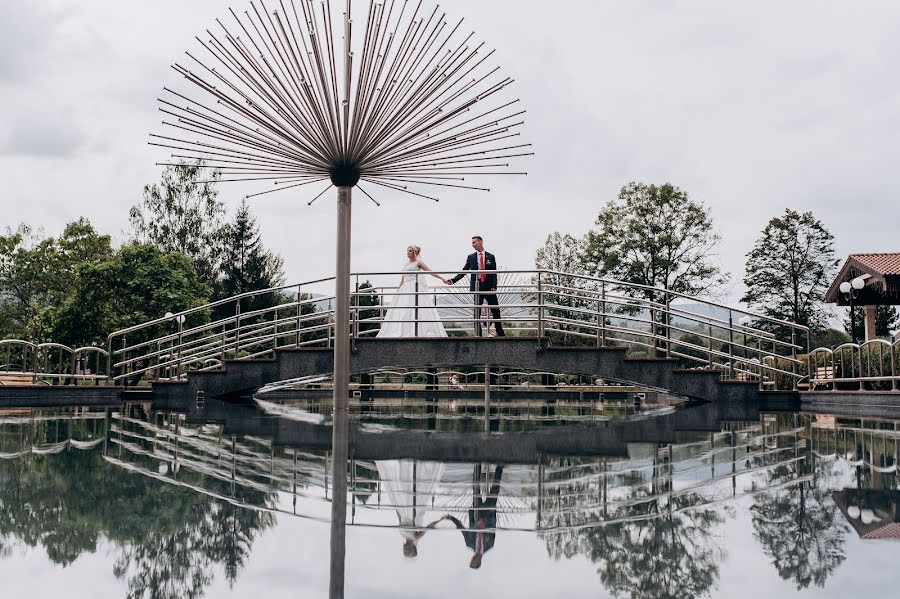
[751,107]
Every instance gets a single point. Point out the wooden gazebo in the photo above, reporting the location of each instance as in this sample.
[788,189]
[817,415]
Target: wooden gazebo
[868,280]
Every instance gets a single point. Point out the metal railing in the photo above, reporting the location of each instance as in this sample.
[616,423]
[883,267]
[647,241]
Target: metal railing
[51,363]
[569,309]
[870,366]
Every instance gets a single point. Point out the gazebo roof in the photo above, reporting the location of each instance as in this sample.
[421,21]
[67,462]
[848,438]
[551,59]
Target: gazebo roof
[882,286]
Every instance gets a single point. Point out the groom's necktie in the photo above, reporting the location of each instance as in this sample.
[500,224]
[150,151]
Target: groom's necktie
[481,266]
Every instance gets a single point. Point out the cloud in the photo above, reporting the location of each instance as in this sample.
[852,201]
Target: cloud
[26,37]
[42,135]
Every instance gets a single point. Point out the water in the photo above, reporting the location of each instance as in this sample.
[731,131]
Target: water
[228,501]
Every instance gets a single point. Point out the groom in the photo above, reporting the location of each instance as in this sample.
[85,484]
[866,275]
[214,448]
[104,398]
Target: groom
[484,285]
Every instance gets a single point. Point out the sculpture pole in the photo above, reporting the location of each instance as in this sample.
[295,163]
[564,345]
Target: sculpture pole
[340,429]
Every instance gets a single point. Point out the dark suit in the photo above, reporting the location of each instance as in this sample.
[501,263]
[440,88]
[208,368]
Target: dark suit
[483,515]
[485,291]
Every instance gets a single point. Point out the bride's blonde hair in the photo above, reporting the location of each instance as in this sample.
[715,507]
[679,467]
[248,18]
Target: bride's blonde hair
[416,249]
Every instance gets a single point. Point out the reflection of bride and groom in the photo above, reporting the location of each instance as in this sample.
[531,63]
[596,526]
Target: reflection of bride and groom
[410,487]
[413,312]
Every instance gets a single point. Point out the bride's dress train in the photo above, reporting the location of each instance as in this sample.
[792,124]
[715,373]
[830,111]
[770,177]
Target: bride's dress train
[401,317]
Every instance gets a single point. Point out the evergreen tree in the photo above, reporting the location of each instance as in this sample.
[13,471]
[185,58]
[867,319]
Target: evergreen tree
[886,322]
[789,269]
[246,265]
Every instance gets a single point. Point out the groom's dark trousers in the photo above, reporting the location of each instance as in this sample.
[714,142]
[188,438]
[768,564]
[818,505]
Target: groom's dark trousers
[485,291]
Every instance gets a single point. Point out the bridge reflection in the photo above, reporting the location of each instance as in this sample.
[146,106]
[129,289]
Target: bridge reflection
[621,493]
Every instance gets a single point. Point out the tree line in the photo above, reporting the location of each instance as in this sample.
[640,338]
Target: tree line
[660,237]
[181,252]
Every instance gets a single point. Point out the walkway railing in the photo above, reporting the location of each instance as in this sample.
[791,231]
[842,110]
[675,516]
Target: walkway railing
[570,310]
[23,362]
[870,366]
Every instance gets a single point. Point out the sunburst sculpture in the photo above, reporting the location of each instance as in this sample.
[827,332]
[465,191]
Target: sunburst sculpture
[282,97]
[415,106]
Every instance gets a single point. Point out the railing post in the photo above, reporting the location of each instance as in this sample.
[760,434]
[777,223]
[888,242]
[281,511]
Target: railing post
[859,372]
[275,333]
[34,363]
[416,310]
[893,368]
[794,356]
[124,359]
[730,344]
[709,333]
[540,309]
[354,331]
[237,328]
[668,297]
[224,342]
[603,311]
[110,374]
[299,313]
[178,365]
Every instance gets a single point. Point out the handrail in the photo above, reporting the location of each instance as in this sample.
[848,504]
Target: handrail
[34,360]
[601,312]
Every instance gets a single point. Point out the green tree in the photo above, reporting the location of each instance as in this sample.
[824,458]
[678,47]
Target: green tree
[368,298]
[37,274]
[789,269]
[563,256]
[247,266]
[655,236]
[137,284]
[886,321]
[183,214]
[828,338]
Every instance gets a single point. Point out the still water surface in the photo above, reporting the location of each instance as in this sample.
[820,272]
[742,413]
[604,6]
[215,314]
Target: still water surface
[231,501]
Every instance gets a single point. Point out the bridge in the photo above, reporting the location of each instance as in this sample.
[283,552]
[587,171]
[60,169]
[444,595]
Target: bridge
[555,322]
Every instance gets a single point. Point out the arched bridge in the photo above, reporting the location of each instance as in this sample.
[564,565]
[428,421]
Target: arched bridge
[555,321]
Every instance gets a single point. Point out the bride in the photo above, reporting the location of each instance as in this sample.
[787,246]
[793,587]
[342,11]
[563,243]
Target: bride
[407,310]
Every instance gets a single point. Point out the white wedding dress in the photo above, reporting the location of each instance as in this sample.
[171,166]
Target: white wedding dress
[403,315]
[410,486]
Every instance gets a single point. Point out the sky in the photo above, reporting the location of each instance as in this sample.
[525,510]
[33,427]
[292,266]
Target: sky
[751,107]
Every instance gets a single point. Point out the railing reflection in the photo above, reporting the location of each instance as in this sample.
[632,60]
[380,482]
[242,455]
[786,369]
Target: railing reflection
[807,481]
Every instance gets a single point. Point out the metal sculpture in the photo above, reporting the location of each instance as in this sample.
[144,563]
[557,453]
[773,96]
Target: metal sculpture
[275,97]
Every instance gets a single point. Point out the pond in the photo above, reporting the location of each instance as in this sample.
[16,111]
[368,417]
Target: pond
[578,501]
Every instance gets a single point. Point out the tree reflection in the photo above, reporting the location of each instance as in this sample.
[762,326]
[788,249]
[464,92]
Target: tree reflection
[170,538]
[651,546]
[799,527]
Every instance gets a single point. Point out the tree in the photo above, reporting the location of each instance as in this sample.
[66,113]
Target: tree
[247,266]
[789,269]
[655,236]
[367,298]
[137,284]
[563,253]
[37,274]
[798,525]
[886,321]
[183,214]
